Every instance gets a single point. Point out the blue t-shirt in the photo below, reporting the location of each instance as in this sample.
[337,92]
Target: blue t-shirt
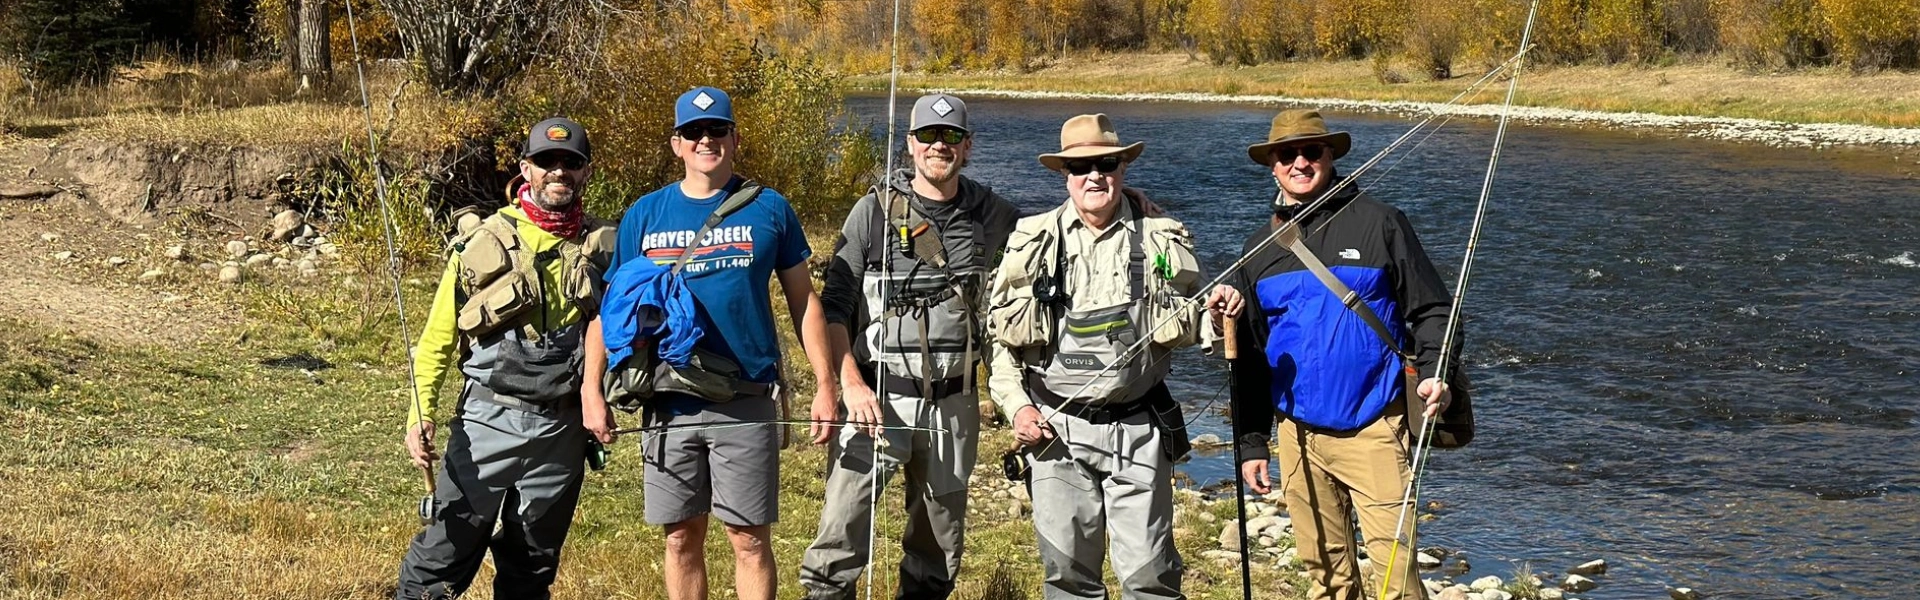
[730,269]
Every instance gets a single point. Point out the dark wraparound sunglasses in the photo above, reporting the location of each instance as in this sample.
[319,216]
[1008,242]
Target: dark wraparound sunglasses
[1313,152]
[951,136]
[1104,164]
[552,160]
[692,132]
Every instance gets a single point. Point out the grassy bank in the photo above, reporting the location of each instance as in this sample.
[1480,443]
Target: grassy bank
[1703,88]
[263,460]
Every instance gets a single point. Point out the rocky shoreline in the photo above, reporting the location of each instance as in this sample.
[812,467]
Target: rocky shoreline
[1771,133]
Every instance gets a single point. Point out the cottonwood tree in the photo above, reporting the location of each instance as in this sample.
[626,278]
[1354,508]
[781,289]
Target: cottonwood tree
[469,47]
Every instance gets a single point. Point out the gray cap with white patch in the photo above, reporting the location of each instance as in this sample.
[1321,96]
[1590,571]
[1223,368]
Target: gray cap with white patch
[938,109]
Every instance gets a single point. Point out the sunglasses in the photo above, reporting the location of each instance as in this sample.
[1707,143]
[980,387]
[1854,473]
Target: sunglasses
[694,131]
[553,160]
[1313,152]
[952,137]
[1104,164]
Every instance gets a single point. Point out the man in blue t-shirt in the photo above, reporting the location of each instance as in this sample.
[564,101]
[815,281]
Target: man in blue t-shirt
[691,467]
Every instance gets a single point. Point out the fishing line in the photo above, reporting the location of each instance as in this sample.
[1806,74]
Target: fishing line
[1422,445]
[1138,346]
[881,399]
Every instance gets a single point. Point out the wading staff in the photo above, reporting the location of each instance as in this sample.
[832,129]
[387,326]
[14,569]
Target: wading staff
[1228,327]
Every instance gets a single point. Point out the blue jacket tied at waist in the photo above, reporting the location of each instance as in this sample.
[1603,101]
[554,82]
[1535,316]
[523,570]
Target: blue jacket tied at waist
[645,300]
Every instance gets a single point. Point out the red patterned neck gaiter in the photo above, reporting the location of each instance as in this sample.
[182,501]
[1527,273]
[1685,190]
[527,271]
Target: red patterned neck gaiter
[565,223]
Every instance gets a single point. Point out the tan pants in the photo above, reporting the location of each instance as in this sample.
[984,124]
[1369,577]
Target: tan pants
[1328,476]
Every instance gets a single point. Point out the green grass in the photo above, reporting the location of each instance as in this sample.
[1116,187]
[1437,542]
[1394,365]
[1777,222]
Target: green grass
[1701,87]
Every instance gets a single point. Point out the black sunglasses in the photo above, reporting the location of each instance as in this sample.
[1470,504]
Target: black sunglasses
[692,132]
[951,136]
[1313,152]
[1104,164]
[552,160]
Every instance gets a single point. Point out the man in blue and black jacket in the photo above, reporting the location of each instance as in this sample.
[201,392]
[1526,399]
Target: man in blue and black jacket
[1337,387]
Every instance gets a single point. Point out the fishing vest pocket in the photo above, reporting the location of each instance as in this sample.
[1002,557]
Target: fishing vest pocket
[1175,319]
[1017,317]
[1086,365]
[496,304]
[483,258]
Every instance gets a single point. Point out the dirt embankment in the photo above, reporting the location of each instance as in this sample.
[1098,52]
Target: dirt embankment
[107,239]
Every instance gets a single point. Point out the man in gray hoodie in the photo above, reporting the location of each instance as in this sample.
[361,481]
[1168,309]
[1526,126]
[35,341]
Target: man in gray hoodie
[903,298]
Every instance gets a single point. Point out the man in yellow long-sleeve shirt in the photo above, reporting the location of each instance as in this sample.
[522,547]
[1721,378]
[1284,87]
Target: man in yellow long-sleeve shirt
[511,309]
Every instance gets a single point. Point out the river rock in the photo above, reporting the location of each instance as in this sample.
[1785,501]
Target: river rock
[1257,525]
[1495,595]
[1434,586]
[1577,584]
[237,249]
[1267,510]
[1452,593]
[1221,556]
[258,259]
[1230,538]
[230,274]
[281,263]
[1592,567]
[1489,582]
[1427,561]
[286,225]
[152,274]
[1551,594]
[63,255]
[1681,593]
[1207,517]
[1267,541]
[1207,441]
[176,252]
[49,237]
[116,261]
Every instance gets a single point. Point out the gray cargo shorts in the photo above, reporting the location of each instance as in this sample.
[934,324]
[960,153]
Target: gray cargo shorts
[733,472]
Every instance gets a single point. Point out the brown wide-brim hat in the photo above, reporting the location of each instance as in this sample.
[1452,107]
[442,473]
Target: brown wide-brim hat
[1297,126]
[1089,136]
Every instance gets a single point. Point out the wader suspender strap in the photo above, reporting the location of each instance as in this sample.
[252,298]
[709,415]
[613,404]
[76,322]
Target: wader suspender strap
[740,198]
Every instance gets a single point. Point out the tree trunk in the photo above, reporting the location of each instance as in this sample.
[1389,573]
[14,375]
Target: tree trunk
[316,52]
[291,45]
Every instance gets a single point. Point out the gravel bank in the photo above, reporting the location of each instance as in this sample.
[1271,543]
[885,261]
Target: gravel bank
[1772,133]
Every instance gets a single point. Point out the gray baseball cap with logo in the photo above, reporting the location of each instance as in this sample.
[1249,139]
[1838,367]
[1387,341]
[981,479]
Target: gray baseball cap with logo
[938,109]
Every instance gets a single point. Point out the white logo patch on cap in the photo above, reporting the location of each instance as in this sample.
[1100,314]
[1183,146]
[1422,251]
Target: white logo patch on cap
[703,101]
[940,107]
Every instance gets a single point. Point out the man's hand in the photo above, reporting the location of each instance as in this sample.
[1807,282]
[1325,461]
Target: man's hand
[419,444]
[824,412]
[598,419]
[1437,394]
[863,409]
[1225,303]
[1254,472]
[1028,426]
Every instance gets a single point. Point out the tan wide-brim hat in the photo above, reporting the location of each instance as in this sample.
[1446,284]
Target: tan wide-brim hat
[1089,136]
[1297,126]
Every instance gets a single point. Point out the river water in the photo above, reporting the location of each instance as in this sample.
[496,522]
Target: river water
[1693,359]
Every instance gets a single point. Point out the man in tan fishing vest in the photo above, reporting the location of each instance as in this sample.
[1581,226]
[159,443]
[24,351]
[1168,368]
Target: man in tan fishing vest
[510,309]
[1087,307]
[1334,376]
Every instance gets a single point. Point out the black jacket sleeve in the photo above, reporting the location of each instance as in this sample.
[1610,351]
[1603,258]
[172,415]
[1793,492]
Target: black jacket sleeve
[1424,301]
[1251,402]
[841,297]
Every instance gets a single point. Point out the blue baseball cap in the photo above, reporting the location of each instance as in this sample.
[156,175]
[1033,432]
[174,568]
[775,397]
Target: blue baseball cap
[702,103]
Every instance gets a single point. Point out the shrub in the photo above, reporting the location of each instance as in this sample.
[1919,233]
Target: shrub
[57,43]
[1874,34]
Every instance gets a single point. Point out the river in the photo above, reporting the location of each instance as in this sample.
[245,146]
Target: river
[1694,359]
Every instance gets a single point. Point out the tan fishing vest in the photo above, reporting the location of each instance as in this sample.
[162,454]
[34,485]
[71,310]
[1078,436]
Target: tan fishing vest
[500,278]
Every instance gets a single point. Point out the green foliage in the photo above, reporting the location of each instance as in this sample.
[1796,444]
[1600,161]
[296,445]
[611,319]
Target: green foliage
[788,107]
[58,43]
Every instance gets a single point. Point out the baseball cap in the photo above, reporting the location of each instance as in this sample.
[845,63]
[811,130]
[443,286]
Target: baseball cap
[938,109]
[558,133]
[702,103]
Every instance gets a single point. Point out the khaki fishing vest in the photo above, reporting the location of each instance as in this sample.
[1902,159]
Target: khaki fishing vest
[500,280]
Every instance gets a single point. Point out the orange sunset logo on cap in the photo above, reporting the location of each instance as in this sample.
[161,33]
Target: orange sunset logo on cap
[558,133]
